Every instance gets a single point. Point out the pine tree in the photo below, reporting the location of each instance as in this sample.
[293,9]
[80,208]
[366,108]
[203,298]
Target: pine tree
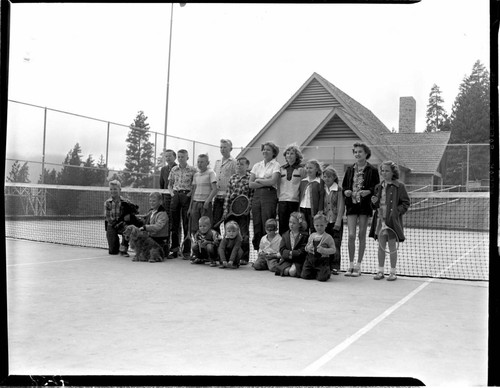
[139,162]
[470,123]
[436,117]
[88,172]
[71,175]
[49,178]
[102,172]
[19,173]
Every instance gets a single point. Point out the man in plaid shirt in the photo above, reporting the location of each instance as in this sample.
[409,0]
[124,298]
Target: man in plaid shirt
[238,185]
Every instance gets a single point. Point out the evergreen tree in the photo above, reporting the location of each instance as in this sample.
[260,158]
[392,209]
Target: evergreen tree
[139,162]
[436,116]
[102,172]
[71,175]
[19,173]
[470,123]
[88,172]
[49,178]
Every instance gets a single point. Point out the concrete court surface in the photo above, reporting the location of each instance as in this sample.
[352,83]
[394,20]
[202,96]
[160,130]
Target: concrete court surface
[80,311]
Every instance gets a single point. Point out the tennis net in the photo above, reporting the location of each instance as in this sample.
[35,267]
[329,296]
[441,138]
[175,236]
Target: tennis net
[447,233]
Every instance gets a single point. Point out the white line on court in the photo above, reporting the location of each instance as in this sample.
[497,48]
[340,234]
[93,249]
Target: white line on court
[311,368]
[56,261]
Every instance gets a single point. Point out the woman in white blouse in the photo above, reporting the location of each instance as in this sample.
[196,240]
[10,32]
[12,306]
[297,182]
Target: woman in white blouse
[264,180]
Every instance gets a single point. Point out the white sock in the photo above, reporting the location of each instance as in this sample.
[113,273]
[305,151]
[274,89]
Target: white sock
[381,269]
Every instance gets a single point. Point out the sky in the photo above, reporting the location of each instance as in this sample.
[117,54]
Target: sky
[232,66]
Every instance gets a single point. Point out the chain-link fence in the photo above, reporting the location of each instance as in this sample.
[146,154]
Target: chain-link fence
[39,138]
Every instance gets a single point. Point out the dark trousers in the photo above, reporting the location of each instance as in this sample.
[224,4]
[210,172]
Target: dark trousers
[209,252]
[309,219]
[316,268]
[244,223]
[167,201]
[264,204]
[335,259]
[218,211]
[285,208]
[163,242]
[114,240]
[197,211]
[179,208]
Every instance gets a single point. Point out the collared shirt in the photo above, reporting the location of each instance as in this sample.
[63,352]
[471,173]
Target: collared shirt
[164,173]
[112,208]
[203,182]
[237,185]
[263,170]
[182,178]
[306,199]
[290,182]
[271,247]
[224,170]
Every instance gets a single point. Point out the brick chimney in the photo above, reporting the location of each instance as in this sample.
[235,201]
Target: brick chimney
[407,114]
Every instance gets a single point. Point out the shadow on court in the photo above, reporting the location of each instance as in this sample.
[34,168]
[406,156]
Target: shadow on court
[80,311]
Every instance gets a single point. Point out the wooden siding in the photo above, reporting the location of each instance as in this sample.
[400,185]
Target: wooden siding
[336,129]
[314,96]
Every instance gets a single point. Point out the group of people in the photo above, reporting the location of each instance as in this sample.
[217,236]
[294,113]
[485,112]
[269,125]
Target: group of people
[297,210]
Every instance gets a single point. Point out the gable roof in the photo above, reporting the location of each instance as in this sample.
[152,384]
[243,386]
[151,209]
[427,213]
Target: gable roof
[319,104]
[424,159]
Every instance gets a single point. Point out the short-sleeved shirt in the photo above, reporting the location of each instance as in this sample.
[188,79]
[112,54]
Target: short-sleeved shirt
[224,170]
[290,182]
[203,182]
[182,178]
[164,173]
[263,170]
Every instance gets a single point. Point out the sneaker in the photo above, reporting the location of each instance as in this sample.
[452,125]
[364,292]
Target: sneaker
[198,261]
[392,277]
[124,254]
[243,262]
[223,265]
[185,256]
[213,264]
[356,271]
[349,272]
[379,276]
[230,265]
[335,271]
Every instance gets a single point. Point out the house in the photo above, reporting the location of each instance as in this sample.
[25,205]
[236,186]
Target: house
[325,122]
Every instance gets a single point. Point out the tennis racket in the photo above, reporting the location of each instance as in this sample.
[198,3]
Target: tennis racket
[238,207]
[388,239]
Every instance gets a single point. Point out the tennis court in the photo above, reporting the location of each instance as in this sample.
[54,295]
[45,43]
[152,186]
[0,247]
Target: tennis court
[79,311]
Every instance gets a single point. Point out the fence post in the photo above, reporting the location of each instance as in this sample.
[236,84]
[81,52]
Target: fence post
[43,149]
[467,175]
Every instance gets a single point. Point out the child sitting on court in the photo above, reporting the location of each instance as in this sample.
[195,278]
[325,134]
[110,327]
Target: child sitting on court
[319,247]
[269,248]
[230,252]
[391,201]
[292,247]
[205,243]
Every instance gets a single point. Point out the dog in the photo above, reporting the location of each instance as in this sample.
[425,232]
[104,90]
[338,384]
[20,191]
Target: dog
[146,249]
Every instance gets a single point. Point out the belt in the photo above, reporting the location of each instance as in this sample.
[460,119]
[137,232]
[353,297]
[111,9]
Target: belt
[266,188]
[182,191]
